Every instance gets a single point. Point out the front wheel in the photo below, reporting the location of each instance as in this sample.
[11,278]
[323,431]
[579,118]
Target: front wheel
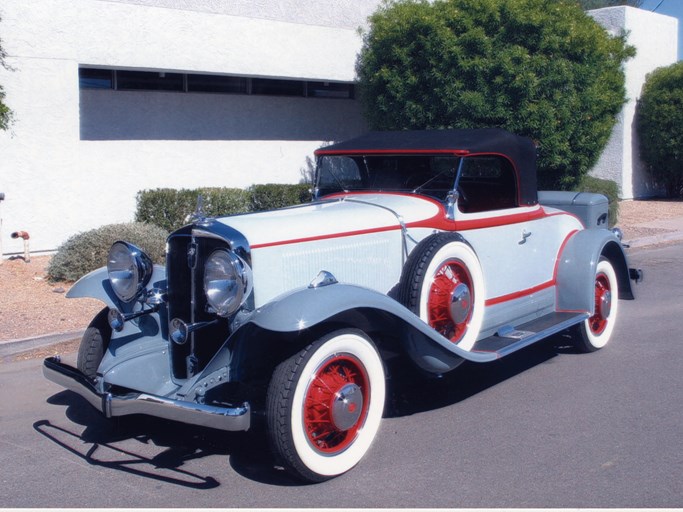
[93,344]
[595,332]
[325,404]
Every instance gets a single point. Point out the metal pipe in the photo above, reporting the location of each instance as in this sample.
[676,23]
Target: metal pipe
[25,236]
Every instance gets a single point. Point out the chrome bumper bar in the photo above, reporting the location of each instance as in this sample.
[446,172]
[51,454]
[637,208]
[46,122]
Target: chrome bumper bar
[222,418]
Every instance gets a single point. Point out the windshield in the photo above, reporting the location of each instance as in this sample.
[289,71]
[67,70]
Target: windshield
[424,174]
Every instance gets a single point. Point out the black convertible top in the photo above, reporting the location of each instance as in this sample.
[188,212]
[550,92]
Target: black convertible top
[521,151]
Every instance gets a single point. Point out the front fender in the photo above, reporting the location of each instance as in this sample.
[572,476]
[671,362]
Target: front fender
[577,265]
[95,285]
[364,308]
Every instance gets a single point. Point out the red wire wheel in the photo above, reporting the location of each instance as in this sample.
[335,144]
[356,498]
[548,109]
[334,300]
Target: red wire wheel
[449,305]
[593,333]
[442,282]
[336,403]
[324,405]
[603,302]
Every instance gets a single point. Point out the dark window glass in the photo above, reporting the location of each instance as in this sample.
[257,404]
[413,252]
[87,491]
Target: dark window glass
[216,83]
[329,90]
[487,183]
[150,81]
[277,87]
[89,78]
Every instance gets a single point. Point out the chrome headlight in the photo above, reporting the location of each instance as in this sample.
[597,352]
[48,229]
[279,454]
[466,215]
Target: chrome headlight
[227,282]
[130,270]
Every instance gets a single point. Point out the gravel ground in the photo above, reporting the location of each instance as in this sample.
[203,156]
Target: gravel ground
[31,306]
[634,214]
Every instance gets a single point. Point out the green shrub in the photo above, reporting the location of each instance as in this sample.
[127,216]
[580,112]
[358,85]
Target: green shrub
[607,188]
[88,251]
[537,68]
[272,195]
[169,208]
[660,126]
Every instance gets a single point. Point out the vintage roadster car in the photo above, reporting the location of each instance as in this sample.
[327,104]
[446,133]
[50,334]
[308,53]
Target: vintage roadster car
[430,246]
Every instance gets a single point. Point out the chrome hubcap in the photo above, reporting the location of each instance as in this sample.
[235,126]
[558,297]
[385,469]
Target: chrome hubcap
[461,303]
[605,304]
[347,406]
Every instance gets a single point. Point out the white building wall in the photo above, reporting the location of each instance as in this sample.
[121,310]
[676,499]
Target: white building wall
[655,37]
[58,183]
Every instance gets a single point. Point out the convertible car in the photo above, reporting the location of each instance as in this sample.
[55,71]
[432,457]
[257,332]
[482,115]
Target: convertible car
[429,246]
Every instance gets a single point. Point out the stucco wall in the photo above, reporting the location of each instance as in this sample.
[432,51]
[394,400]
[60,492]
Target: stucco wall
[75,160]
[331,13]
[655,37]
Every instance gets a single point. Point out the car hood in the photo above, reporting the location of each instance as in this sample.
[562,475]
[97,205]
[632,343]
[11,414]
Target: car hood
[348,214]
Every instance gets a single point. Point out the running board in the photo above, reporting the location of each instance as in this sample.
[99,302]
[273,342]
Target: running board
[511,339]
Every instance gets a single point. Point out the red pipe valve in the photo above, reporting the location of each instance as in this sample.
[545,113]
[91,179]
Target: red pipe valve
[20,234]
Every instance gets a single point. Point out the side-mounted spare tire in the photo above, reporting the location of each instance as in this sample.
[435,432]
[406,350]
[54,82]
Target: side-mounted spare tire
[442,282]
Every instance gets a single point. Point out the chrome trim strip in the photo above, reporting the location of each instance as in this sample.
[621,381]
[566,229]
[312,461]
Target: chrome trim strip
[222,418]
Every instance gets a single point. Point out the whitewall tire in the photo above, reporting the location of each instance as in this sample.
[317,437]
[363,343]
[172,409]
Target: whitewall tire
[596,331]
[325,404]
[444,285]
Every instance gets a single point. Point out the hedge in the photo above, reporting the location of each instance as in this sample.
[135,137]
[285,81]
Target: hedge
[170,208]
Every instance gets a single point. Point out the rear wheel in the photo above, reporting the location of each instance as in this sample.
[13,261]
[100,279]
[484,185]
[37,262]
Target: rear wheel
[93,344]
[595,332]
[325,404]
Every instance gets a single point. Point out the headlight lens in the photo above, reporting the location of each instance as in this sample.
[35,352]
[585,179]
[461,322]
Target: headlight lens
[227,282]
[130,270]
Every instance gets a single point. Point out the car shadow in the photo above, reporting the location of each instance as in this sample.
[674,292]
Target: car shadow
[409,394]
[159,449]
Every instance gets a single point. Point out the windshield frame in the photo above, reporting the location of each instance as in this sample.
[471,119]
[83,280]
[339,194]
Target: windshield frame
[411,182]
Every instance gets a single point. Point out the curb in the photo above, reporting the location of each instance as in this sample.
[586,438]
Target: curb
[14,347]
[645,241]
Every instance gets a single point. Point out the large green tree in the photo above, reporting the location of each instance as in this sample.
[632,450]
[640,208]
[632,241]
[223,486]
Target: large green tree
[540,68]
[5,112]
[659,122]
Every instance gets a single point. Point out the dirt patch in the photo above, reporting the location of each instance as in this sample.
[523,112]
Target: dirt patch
[32,306]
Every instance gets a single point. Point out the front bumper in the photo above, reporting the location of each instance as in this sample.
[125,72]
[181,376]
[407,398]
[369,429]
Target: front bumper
[222,418]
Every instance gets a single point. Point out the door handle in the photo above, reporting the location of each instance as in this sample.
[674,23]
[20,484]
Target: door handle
[525,234]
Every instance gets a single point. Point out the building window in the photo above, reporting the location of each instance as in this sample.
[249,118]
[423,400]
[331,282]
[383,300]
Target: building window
[149,81]
[92,78]
[217,83]
[272,87]
[329,90]
[129,80]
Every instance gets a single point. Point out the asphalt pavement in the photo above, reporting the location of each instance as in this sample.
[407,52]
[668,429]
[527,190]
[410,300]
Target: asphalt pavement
[674,233]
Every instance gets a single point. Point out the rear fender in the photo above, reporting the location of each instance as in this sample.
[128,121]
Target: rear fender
[577,265]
